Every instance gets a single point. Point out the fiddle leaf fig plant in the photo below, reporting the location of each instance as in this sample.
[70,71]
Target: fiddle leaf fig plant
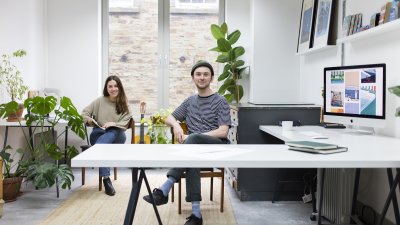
[396,91]
[11,77]
[229,55]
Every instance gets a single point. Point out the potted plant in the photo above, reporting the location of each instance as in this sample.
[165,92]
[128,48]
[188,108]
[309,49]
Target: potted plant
[229,56]
[40,163]
[156,127]
[11,78]
[396,91]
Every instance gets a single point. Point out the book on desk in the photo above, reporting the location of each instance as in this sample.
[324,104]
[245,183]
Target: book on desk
[315,147]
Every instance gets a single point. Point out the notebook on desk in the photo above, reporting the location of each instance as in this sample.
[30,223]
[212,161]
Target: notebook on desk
[319,151]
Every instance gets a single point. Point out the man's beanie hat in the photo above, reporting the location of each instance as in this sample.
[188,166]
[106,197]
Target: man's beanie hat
[202,63]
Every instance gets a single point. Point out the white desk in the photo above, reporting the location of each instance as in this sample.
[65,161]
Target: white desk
[364,151]
[242,156]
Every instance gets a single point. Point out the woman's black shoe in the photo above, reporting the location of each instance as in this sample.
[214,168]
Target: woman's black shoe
[108,186]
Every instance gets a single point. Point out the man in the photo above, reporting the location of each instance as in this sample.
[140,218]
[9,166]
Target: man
[208,120]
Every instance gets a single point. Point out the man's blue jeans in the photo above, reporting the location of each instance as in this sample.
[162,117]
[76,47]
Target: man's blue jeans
[108,136]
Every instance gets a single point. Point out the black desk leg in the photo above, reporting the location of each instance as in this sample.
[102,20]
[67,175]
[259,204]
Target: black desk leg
[133,199]
[5,137]
[389,198]
[321,196]
[355,191]
[152,200]
[394,198]
[66,145]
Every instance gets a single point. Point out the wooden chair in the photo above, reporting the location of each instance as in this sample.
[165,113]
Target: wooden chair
[204,172]
[84,147]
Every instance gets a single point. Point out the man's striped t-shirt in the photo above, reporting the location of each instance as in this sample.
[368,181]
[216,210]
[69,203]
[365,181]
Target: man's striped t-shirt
[203,114]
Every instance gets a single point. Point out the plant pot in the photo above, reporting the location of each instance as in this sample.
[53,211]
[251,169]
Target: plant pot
[11,187]
[15,117]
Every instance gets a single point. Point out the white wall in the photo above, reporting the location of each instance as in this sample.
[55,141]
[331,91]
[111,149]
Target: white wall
[274,66]
[22,27]
[379,49]
[73,49]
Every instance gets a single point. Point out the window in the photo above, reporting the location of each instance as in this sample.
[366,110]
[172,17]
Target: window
[122,6]
[152,51]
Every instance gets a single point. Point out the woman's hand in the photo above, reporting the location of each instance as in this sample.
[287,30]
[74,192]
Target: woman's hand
[109,124]
[89,122]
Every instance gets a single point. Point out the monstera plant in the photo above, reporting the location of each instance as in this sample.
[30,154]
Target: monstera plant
[229,55]
[39,163]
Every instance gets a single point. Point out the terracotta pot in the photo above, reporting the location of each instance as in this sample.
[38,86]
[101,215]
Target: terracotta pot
[14,117]
[11,187]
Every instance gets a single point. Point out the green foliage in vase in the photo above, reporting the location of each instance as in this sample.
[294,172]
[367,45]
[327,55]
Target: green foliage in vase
[233,66]
[156,127]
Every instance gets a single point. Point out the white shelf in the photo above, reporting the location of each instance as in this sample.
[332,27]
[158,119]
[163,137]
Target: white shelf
[316,50]
[372,32]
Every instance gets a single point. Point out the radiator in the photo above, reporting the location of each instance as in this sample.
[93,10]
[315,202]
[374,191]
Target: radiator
[338,193]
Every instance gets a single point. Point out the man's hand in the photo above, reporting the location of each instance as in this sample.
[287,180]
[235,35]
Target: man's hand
[178,132]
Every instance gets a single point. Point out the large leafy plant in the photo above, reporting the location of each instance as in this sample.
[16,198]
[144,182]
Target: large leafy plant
[156,127]
[34,163]
[233,66]
[11,77]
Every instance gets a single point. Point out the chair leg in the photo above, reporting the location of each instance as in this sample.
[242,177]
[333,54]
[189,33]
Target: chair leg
[211,188]
[222,190]
[100,183]
[180,197]
[83,175]
[173,193]
[115,173]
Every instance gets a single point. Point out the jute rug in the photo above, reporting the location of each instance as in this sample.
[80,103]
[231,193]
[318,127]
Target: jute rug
[90,206]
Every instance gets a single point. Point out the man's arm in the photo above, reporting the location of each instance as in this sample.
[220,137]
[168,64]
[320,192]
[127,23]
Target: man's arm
[178,131]
[220,132]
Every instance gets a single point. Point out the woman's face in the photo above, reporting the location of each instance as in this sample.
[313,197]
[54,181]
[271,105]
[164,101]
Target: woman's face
[112,89]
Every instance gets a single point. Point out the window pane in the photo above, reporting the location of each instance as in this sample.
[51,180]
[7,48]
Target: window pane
[190,40]
[133,47]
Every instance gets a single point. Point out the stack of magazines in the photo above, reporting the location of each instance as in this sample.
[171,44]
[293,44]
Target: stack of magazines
[315,147]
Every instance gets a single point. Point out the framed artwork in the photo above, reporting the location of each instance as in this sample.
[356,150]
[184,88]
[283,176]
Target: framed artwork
[323,32]
[306,26]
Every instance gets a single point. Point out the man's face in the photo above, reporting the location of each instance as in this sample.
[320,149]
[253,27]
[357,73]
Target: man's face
[202,77]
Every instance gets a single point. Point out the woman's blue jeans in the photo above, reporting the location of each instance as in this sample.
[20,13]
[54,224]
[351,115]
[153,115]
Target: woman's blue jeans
[108,136]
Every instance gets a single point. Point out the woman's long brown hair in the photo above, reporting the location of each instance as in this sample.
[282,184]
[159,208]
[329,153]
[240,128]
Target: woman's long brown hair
[121,105]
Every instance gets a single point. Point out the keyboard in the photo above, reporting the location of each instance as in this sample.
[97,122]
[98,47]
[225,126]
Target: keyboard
[334,125]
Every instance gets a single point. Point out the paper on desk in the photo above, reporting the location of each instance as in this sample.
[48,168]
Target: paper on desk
[198,151]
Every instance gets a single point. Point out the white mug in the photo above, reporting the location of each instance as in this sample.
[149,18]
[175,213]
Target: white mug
[287,125]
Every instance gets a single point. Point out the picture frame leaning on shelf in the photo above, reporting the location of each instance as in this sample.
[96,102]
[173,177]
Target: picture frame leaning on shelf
[325,23]
[304,41]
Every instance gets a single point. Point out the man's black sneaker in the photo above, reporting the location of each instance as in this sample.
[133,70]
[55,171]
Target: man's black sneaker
[193,220]
[108,187]
[158,196]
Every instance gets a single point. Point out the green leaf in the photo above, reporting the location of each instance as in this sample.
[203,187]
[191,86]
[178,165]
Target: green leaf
[229,98]
[223,76]
[234,37]
[224,45]
[8,108]
[239,51]
[238,63]
[217,32]
[222,59]
[40,105]
[395,90]
[215,49]
[224,28]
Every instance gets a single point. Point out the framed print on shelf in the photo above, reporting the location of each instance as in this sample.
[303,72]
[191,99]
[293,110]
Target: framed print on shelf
[306,26]
[324,23]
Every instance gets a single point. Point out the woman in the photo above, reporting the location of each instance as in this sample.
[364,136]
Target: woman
[109,115]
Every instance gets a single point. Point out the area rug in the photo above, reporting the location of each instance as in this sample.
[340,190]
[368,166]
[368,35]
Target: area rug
[90,206]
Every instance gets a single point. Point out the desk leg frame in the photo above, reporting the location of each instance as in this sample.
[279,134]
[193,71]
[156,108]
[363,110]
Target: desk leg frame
[133,199]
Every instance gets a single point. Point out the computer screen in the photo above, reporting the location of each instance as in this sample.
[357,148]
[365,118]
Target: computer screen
[355,95]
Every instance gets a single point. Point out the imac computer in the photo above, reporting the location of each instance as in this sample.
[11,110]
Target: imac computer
[355,95]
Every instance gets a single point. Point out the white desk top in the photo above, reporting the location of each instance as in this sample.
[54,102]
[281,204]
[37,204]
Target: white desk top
[242,156]
[4,123]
